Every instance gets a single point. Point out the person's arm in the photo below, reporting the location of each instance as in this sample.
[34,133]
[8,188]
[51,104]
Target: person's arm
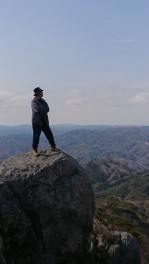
[47,109]
[39,108]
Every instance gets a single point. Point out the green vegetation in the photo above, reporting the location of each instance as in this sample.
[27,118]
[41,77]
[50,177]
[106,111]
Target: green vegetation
[119,215]
[122,203]
[134,187]
[131,216]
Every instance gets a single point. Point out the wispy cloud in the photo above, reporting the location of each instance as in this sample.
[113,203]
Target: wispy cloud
[21,99]
[141,98]
[5,95]
[75,101]
[9,99]
[75,97]
[15,108]
[14,104]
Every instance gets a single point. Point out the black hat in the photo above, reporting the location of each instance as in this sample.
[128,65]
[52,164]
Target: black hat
[37,90]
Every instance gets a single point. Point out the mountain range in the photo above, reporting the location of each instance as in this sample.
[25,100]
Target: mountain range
[116,159]
[84,143]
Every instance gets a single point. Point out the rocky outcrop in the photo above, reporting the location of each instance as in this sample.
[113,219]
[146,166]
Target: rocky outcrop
[46,210]
[46,215]
[114,247]
[124,249]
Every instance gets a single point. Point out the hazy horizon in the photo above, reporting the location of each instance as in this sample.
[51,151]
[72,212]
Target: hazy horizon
[69,124]
[91,58]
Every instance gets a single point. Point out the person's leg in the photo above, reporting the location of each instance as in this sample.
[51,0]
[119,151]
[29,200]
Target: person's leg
[36,135]
[49,135]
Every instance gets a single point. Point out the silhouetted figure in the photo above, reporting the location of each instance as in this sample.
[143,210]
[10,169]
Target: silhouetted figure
[40,121]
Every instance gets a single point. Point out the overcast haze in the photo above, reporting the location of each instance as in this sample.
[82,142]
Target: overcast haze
[91,58]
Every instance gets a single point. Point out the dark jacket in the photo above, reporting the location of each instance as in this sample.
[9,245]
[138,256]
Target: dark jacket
[40,109]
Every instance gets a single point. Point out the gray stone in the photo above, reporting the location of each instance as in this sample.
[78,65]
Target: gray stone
[115,247]
[124,249]
[46,210]
[2,259]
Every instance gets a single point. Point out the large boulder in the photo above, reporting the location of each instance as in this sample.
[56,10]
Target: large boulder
[46,210]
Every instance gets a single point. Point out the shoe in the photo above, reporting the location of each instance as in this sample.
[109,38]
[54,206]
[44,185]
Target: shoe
[35,152]
[54,149]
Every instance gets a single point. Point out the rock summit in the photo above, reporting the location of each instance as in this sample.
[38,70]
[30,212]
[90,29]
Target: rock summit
[46,210]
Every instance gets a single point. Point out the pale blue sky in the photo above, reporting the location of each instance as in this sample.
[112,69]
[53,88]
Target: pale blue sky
[90,57]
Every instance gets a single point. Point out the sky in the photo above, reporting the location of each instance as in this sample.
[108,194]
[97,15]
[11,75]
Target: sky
[91,58]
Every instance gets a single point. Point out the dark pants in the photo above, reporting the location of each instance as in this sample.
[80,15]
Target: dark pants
[36,135]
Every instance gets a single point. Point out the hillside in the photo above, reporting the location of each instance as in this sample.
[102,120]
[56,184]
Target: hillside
[131,216]
[122,198]
[129,143]
[115,181]
[111,169]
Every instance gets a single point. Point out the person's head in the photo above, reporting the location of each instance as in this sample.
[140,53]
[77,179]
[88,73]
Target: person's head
[38,92]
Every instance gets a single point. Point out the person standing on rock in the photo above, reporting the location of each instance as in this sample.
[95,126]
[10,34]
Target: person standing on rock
[40,121]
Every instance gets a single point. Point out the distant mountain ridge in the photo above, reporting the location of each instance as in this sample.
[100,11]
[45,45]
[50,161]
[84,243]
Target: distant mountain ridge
[111,170]
[129,143]
[57,129]
[84,144]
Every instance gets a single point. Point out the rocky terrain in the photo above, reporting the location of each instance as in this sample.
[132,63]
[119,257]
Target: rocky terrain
[46,215]
[122,198]
[115,247]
